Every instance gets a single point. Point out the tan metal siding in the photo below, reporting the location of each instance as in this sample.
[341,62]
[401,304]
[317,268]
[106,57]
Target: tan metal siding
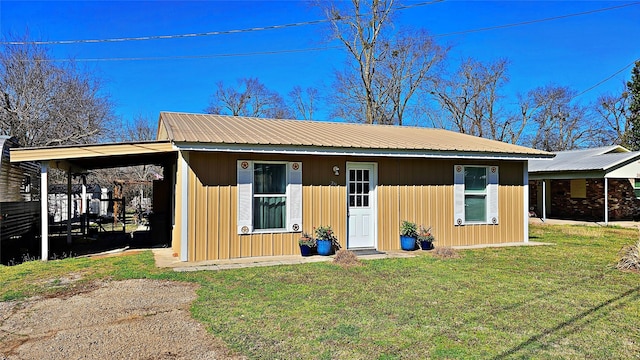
[213,206]
[414,189]
[400,197]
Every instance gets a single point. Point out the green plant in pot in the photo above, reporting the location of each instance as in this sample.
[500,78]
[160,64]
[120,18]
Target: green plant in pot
[425,238]
[307,244]
[326,241]
[408,235]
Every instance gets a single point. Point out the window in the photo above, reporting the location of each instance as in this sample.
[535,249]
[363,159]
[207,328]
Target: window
[269,196]
[475,195]
[578,188]
[636,187]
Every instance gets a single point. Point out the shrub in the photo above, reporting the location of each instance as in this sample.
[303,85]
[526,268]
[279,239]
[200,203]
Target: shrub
[629,257]
[408,228]
[346,258]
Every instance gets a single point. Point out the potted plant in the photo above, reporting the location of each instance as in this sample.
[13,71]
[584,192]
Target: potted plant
[326,241]
[425,238]
[408,235]
[307,244]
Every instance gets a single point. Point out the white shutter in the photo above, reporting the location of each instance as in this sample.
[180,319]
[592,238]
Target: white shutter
[245,197]
[294,188]
[492,195]
[458,195]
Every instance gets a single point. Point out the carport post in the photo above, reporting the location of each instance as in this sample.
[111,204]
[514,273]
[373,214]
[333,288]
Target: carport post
[69,200]
[44,211]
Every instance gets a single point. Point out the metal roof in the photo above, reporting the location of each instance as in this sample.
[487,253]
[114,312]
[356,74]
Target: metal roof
[234,130]
[594,159]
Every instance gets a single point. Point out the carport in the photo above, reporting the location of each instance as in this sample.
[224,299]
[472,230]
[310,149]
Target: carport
[79,159]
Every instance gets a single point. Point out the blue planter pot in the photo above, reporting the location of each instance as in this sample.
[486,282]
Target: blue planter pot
[426,245]
[325,247]
[407,243]
[306,250]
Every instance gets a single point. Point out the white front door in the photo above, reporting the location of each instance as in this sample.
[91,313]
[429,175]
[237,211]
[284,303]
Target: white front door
[361,200]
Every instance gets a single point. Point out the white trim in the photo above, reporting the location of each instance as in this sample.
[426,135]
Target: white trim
[183,157]
[544,200]
[44,211]
[373,198]
[525,184]
[331,151]
[606,201]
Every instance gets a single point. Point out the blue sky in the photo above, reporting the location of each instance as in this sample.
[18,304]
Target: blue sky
[577,51]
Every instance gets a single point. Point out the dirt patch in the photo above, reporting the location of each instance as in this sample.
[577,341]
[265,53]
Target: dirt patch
[132,319]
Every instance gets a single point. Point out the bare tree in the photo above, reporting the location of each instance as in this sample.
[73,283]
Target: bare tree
[43,103]
[613,111]
[250,98]
[407,62]
[560,124]
[140,128]
[470,99]
[359,28]
[304,102]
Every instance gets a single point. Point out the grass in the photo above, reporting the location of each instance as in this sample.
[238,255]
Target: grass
[560,301]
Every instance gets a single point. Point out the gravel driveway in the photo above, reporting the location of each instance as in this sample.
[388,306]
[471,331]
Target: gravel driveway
[132,319]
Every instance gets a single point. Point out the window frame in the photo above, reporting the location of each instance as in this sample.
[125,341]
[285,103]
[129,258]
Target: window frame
[286,196]
[490,194]
[474,193]
[246,196]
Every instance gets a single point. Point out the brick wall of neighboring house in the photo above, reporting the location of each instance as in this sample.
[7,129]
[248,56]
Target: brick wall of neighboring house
[623,205]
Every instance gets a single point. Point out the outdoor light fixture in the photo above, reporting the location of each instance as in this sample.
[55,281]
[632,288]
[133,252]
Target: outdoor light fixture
[336,170]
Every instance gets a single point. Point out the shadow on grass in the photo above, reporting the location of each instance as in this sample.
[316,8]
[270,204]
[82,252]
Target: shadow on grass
[573,320]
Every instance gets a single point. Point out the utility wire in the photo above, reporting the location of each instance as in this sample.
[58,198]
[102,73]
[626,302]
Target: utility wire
[182,57]
[606,79]
[193,35]
[274,52]
[537,20]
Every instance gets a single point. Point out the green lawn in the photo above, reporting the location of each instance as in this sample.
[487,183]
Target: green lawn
[561,301]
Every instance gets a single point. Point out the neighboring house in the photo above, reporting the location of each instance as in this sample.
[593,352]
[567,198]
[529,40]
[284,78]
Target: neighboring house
[96,198]
[599,184]
[243,187]
[19,198]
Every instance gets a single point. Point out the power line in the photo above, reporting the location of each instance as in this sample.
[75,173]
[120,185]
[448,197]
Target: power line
[209,56]
[537,20]
[193,35]
[606,79]
[294,50]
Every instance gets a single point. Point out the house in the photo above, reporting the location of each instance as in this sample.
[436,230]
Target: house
[19,200]
[244,187]
[598,184]
[95,197]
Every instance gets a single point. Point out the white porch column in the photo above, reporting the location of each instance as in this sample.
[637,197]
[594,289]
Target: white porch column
[69,202]
[606,201]
[544,200]
[525,177]
[84,223]
[184,205]
[44,211]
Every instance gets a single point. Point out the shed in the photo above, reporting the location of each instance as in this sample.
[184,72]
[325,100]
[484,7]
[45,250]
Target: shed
[247,187]
[596,184]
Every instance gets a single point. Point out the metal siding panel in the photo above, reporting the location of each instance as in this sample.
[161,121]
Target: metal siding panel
[226,238]
[213,218]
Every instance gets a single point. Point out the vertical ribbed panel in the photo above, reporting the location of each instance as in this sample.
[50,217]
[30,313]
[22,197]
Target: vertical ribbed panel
[416,190]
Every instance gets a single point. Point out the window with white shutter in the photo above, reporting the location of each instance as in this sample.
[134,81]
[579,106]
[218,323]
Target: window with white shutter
[475,194]
[269,196]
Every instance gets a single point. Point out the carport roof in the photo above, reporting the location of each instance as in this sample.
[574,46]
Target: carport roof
[98,156]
